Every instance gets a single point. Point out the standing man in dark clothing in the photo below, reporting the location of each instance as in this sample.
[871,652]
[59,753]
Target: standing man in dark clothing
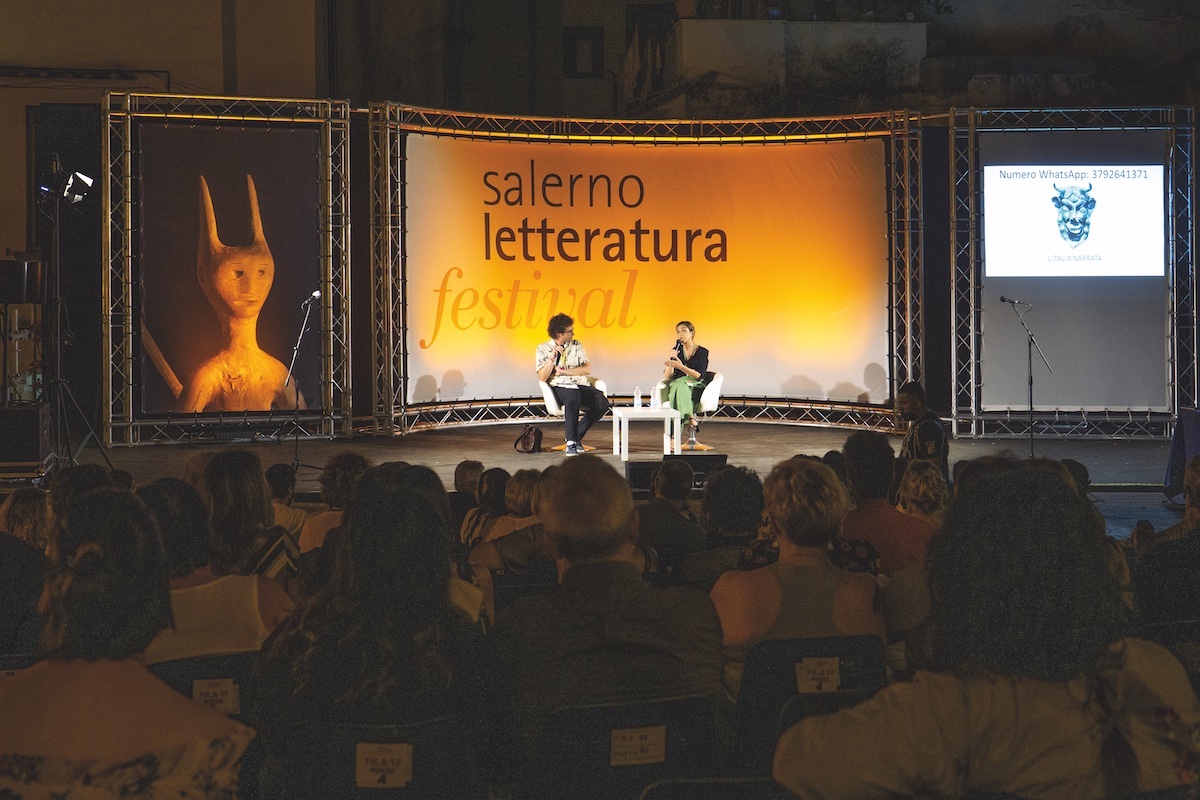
[926,439]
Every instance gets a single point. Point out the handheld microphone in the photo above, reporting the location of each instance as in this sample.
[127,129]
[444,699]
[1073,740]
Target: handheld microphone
[1004,299]
[312,298]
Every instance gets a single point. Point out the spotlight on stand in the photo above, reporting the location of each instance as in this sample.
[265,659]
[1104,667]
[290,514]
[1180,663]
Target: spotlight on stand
[74,187]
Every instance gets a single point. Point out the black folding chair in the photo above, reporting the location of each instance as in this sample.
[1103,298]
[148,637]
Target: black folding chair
[613,751]
[779,670]
[218,682]
[428,760]
[509,586]
[715,789]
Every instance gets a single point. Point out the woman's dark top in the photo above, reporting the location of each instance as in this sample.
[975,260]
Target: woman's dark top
[698,362]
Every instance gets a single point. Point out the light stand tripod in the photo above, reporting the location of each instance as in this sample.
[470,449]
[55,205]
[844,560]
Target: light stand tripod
[1030,346]
[59,190]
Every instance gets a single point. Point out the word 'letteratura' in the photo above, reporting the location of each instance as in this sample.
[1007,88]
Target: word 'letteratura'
[544,241]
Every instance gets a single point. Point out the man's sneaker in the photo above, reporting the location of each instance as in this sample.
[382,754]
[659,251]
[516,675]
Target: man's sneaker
[573,449]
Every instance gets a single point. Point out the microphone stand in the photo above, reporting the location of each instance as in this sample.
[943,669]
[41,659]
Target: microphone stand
[1030,347]
[308,304]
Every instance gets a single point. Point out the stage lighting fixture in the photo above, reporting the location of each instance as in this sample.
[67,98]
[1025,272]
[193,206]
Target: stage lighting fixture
[76,187]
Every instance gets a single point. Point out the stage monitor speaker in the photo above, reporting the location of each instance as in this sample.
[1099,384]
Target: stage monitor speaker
[701,464]
[639,473]
[25,433]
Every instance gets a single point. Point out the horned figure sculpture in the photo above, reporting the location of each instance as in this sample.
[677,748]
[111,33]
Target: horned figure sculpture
[236,280]
[1074,204]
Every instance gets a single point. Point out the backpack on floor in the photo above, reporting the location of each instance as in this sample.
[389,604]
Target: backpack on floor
[530,440]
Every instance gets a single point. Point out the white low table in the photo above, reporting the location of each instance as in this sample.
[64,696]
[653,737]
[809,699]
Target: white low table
[672,426]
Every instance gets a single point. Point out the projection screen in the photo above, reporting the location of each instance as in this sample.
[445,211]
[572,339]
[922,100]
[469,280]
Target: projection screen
[1075,229]
[777,254]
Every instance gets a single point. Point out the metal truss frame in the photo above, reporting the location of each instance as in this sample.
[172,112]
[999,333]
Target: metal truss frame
[123,424]
[390,123]
[969,419]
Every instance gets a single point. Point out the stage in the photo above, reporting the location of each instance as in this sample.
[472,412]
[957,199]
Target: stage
[1126,474]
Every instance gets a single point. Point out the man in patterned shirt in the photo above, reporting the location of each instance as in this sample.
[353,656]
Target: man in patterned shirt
[563,363]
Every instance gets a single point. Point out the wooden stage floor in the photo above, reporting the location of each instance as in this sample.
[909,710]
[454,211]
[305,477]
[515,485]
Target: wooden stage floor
[1126,474]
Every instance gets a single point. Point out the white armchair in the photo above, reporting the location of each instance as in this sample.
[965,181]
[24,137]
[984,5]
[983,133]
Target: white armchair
[710,399]
[553,409]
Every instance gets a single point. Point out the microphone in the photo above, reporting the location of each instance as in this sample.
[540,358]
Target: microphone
[1004,299]
[312,298]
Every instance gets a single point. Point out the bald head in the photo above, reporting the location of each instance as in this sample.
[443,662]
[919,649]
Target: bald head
[587,509]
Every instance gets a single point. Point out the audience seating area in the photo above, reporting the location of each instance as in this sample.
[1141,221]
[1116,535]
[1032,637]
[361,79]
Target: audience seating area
[670,747]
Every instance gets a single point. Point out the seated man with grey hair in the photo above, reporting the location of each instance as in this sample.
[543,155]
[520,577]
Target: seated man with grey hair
[605,634]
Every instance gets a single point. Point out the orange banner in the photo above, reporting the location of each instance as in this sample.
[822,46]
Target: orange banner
[777,254]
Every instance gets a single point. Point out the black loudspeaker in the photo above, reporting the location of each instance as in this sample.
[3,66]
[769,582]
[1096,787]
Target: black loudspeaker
[25,433]
[638,473]
[701,464]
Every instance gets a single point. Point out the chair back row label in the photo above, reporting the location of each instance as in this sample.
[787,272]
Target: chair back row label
[635,746]
[220,694]
[818,675]
[380,765]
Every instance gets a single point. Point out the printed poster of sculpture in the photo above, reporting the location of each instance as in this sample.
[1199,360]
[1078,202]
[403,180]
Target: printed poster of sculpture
[229,224]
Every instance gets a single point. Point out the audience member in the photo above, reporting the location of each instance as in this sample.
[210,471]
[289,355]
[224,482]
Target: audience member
[463,498]
[665,523]
[211,614]
[528,550]
[802,595]
[193,470]
[71,482]
[899,539]
[23,515]
[1144,535]
[464,595]
[923,493]
[88,719]
[493,484]
[968,474]
[836,462]
[731,510]
[1037,693]
[1079,473]
[518,505]
[244,539]
[337,484]
[605,634]
[381,643]
[281,478]
[22,568]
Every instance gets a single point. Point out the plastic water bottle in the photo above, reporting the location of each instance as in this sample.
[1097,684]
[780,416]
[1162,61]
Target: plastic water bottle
[637,397]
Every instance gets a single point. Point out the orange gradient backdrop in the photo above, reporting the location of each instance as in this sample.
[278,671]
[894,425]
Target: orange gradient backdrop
[794,304]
